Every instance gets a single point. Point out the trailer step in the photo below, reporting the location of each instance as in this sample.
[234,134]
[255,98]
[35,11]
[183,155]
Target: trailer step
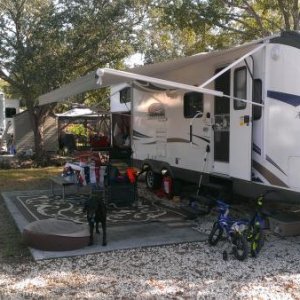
[199,205]
[220,175]
[214,186]
[204,200]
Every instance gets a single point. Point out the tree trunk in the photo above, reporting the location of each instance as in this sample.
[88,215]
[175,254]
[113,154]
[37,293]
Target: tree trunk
[37,132]
[295,14]
[285,13]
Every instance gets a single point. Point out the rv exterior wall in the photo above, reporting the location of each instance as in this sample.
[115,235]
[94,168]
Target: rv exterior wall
[166,139]
[283,121]
[163,135]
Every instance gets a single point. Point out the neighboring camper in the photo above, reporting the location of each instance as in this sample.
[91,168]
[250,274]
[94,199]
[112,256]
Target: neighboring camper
[8,109]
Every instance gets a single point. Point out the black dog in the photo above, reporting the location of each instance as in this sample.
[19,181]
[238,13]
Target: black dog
[95,209]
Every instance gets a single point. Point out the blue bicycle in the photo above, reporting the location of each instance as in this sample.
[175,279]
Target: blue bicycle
[234,230]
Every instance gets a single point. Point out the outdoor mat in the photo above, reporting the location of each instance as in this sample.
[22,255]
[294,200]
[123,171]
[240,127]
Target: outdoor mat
[146,224]
[43,206]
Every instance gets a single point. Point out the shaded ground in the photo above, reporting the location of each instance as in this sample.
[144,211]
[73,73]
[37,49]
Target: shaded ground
[183,271]
[12,250]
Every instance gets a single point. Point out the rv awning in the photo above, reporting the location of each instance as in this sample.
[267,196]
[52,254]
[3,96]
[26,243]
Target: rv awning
[152,72]
[107,77]
[124,76]
[78,86]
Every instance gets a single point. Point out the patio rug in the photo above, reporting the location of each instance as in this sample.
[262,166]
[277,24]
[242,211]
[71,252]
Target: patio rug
[146,224]
[45,206]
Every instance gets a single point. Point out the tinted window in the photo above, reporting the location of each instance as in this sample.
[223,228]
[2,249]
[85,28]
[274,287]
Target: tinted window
[257,97]
[240,87]
[10,112]
[193,103]
[125,95]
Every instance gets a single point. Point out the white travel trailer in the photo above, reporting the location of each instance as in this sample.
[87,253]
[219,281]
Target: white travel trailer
[232,114]
[8,109]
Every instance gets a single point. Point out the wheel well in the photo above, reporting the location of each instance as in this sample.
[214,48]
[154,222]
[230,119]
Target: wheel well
[162,168]
[146,167]
[166,170]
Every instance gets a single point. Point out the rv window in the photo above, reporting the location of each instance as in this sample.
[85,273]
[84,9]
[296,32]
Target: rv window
[192,104]
[10,112]
[257,97]
[240,87]
[125,95]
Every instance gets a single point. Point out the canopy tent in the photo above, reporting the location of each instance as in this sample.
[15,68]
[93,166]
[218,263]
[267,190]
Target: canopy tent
[96,126]
[78,112]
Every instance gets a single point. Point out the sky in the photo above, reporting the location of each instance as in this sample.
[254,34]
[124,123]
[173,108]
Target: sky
[134,60]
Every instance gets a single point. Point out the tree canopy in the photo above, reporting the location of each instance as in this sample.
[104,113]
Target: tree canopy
[46,43]
[185,27]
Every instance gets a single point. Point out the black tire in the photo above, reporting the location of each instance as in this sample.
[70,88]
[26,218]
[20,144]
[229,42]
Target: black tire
[153,180]
[257,241]
[215,234]
[240,246]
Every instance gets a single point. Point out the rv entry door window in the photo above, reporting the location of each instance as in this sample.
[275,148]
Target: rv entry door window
[257,98]
[240,88]
[125,95]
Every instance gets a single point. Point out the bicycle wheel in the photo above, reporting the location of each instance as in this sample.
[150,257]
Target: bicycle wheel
[240,246]
[257,241]
[215,234]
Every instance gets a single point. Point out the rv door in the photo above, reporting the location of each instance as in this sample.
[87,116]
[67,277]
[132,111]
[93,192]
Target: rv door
[241,121]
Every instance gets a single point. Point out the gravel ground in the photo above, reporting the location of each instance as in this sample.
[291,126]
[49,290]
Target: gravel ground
[182,271]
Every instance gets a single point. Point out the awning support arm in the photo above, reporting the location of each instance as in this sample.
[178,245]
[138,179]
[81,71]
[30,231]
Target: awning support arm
[243,100]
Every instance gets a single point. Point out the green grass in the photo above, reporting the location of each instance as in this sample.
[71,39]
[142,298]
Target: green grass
[12,248]
[18,179]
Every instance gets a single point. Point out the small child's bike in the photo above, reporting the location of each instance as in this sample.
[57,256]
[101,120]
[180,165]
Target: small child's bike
[233,229]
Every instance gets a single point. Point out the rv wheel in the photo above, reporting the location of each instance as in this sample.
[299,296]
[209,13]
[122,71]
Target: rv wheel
[153,180]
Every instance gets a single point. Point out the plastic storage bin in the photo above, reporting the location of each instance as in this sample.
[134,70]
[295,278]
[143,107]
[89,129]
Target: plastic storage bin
[287,224]
[122,194]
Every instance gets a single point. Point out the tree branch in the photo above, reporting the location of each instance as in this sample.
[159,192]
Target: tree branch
[7,78]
